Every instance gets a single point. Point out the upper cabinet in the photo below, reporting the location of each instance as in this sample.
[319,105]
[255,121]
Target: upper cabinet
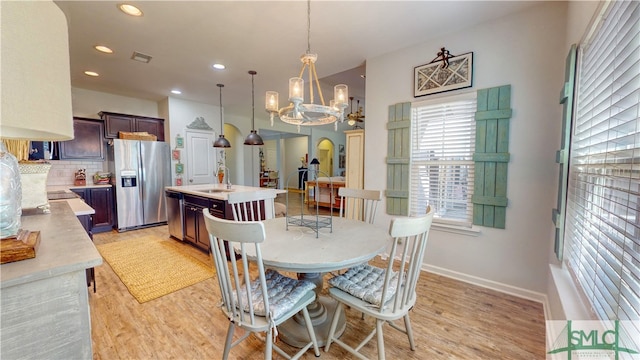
[87,143]
[114,123]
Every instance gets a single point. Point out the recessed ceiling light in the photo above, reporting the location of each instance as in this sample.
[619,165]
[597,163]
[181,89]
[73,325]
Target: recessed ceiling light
[130,9]
[103,49]
[176,91]
[219,66]
[91,73]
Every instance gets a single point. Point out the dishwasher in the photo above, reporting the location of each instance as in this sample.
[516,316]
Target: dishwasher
[175,214]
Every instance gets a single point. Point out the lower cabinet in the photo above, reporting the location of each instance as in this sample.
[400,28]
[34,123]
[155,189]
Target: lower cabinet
[86,222]
[101,200]
[195,230]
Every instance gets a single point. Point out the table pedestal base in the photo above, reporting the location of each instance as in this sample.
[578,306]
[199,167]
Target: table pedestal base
[294,332]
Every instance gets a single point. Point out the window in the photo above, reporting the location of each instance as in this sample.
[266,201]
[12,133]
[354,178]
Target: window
[602,232]
[442,146]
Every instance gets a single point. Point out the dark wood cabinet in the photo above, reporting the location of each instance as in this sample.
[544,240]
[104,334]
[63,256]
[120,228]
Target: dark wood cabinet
[101,200]
[114,123]
[88,142]
[195,230]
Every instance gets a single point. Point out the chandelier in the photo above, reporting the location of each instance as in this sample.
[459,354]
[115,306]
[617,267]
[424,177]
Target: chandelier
[308,114]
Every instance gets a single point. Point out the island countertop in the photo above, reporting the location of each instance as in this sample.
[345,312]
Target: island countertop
[217,191]
[64,247]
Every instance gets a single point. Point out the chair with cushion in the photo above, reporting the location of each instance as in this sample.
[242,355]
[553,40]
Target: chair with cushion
[260,304]
[386,294]
[252,205]
[359,204]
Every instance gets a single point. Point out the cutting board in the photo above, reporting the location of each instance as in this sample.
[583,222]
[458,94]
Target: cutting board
[20,247]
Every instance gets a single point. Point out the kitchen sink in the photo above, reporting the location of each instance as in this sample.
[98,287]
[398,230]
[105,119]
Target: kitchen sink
[215,191]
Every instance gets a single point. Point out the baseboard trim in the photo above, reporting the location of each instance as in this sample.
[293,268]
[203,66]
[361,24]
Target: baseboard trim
[493,285]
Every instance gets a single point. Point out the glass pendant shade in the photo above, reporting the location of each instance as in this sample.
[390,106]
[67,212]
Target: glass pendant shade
[221,141]
[272,101]
[253,138]
[340,94]
[296,89]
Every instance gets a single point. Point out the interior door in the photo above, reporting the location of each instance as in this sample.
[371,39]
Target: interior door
[201,157]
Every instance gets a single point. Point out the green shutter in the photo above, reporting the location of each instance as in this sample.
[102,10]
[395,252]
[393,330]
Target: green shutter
[562,155]
[398,155]
[491,156]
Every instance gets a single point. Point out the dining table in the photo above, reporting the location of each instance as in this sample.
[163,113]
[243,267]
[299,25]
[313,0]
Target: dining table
[311,252]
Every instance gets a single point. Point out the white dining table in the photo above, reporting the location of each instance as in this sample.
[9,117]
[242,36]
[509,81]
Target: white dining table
[297,249]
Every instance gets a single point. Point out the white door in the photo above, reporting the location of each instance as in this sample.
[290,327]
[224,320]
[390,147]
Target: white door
[201,158]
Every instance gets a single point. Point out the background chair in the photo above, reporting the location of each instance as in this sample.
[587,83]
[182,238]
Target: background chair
[385,294]
[359,204]
[252,205]
[273,179]
[258,305]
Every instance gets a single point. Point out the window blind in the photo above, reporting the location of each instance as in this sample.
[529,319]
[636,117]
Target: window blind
[442,166]
[603,205]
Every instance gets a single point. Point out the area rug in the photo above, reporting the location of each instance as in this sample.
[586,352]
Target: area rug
[151,267]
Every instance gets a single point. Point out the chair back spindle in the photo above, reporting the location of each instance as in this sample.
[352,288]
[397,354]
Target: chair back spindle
[359,204]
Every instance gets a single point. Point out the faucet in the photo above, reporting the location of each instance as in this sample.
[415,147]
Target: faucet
[226,175]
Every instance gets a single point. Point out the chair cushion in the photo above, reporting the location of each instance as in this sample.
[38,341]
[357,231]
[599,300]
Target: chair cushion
[283,292]
[365,282]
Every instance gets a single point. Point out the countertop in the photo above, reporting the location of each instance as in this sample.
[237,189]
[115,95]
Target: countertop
[67,187]
[220,191]
[78,206]
[64,247]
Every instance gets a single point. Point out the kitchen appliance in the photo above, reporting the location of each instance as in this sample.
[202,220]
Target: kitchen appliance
[140,172]
[175,215]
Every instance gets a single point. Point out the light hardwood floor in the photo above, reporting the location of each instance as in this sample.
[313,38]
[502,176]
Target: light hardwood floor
[451,320]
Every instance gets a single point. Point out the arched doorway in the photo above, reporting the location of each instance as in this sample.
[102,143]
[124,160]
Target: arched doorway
[324,153]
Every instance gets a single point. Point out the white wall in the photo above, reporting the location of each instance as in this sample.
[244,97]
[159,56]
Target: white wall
[295,148]
[526,50]
[182,113]
[88,103]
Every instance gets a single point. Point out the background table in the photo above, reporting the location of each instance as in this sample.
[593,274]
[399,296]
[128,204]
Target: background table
[297,249]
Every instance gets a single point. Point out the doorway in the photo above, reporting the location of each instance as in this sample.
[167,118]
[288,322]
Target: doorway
[325,156]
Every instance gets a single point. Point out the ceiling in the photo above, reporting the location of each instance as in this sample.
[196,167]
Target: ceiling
[185,38]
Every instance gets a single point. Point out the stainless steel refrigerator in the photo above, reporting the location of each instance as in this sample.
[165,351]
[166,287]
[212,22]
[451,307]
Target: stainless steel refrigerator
[140,171]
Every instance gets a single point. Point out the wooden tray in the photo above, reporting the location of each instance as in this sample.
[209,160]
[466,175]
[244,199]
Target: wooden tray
[20,247]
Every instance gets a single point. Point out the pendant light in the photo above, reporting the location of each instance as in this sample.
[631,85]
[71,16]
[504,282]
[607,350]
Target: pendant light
[221,142]
[253,138]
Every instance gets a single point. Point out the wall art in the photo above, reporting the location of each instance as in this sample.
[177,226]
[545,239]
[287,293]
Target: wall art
[175,154]
[444,73]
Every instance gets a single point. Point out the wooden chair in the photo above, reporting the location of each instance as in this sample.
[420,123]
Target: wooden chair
[359,204]
[259,305]
[252,205]
[384,294]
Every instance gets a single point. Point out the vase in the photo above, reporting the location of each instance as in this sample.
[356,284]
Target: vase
[10,194]
[220,177]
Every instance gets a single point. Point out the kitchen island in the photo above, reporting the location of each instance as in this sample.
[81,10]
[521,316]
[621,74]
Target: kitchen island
[192,200]
[45,307]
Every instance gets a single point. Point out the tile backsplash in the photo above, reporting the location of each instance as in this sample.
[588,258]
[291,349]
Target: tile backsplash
[63,171]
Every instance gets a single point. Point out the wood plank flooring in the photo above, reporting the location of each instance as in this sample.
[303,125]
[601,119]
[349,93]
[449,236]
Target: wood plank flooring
[452,320]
